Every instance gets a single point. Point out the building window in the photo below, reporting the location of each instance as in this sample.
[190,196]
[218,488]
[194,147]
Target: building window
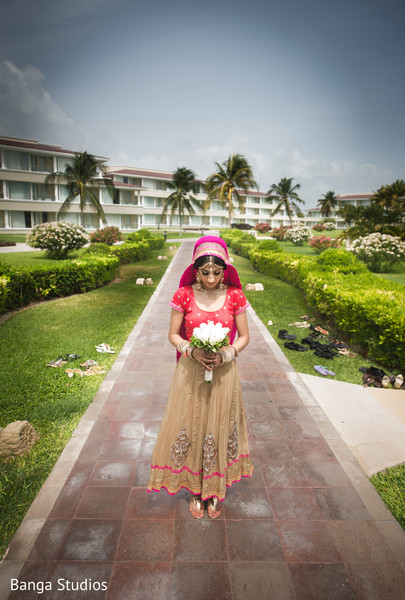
[1,189]
[91,220]
[2,219]
[19,190]
[44,164]
[41,191]
[129,221]
[161,185]
[149,202]
[17,161]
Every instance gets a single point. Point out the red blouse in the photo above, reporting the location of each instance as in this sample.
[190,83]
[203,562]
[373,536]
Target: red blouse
[184,301]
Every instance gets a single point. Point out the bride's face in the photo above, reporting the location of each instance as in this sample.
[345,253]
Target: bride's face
[211,276]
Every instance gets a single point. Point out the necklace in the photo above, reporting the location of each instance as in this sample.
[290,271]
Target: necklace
[210,293]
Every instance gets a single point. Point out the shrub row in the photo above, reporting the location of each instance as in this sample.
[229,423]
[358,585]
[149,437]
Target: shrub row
[366,308]
[25,284]
[98,266]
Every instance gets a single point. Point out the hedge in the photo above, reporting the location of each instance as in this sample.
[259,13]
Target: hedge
[98,266]
[65,278]
[366,308]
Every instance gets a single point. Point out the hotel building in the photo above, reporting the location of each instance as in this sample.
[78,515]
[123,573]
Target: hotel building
[25,199]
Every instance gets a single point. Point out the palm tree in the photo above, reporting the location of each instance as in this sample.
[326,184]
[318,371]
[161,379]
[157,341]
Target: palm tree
[286,195]
[233,175]
[391,196]
[328,203]
[181,199]
[81,178]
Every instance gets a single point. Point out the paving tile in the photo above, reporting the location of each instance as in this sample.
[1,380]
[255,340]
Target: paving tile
[120,449]
[139,581]
[201,581]
[251,540]
[274,450]
[125,430]
[307,541]
[261,580]
[197,540]
[49,540]
[316,450]
[71,493]
[247,503]
[112,473]
[127,411]
[153,505]
[294,504]
[322,582]
[103,503]
[378,580]
[359,542]
[141,473]
[91,540]
[284,473]
[341,504]
[325,474]
[144,540]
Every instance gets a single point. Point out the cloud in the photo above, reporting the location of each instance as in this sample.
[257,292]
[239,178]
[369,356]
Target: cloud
[27,109]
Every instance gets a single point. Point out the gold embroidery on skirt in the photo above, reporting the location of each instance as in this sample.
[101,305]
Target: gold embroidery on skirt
[233,444]
[209,452]
[180,449]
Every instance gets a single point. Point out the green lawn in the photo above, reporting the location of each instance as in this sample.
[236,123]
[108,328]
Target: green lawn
[45,396]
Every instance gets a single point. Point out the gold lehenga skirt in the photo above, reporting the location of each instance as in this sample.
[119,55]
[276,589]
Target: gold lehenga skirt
[202,442]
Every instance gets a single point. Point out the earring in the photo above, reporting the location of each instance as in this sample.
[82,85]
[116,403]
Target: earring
[221,285]
[198,277]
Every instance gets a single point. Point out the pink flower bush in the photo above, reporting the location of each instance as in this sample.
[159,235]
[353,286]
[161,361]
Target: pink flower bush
[108,235]
[323,242]
[262,227]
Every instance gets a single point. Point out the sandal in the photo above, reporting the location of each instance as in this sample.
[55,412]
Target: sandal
[212,508]
[105,348]
[323,370]
[197,507]
[399,380]
[56,362]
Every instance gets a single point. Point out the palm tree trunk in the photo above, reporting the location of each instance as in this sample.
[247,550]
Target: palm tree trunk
[229,209]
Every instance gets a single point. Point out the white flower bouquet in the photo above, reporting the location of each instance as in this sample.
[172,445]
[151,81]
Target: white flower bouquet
[211,337]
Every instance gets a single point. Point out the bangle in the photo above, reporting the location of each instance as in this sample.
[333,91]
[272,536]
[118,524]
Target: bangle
[185,348]
[227,354]
[234,349]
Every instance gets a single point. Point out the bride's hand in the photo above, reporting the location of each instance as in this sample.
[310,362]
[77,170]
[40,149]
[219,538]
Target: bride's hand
[208,360]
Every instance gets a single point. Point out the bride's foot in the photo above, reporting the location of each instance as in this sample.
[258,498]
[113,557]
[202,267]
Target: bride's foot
[214,508]
[197,507]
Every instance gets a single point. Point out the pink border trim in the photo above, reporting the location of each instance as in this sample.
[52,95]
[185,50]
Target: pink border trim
[183,487]
[200,471]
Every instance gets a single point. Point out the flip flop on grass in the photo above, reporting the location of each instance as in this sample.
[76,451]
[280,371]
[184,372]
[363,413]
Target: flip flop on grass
[323,370]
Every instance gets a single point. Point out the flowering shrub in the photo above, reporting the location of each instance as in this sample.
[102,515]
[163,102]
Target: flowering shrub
[322,242]
[329,226]
[57,238]
[262,227]
[378,251]
[279,233]
[108,235]
[319,227]
[298,235]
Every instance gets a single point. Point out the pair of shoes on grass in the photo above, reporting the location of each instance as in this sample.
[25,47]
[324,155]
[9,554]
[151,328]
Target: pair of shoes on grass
[323,371]
[105,348]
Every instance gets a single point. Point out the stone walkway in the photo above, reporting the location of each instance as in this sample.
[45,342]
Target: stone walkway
[308,524]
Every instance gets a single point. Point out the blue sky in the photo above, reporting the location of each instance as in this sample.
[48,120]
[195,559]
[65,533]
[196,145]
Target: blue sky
[305,89]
